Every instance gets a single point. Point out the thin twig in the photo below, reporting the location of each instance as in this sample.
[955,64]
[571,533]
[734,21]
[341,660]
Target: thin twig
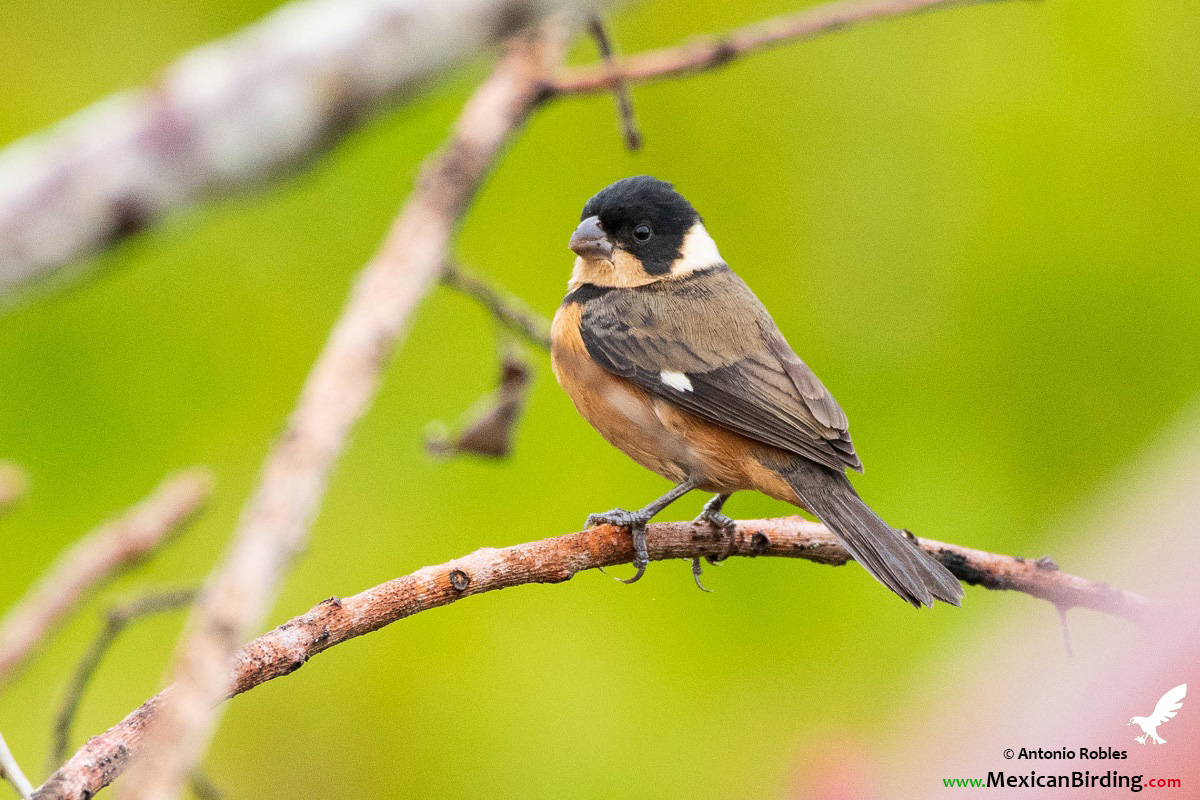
[116,621]
[711,52]
[97,557]
[620,88]
[275,523]
[14,483]
[10,770]
[288,647]
[508,309]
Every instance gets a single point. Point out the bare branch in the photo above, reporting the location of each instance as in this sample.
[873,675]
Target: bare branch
[116,621]
[236,112]
[10,771]
[97,557]
[287,648]
[228,116]
[509,310]
[711,52]
[629,128]
[14,483]
[340,388]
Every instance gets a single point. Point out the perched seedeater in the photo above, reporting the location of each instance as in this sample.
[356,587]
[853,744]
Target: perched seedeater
[672,358]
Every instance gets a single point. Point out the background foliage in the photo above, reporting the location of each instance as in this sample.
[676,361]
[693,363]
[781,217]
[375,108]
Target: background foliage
[978,226]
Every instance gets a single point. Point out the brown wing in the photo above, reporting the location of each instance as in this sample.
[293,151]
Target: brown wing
[707,344]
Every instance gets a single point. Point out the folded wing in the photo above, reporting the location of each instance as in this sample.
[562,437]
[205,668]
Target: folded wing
[708,345]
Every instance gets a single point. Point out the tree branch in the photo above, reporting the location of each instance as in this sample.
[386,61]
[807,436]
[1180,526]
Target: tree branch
[228,116]
[233,113]
[711,52]
[95,558]
[288,647]
[340,388]
[10,771]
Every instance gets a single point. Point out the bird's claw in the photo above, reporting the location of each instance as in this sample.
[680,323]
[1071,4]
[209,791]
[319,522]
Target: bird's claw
[637,576]
[724,524]
[618,517]
[636,523]
[697,572]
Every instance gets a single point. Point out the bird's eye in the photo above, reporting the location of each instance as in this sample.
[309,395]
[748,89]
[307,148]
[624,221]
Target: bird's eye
[642,232]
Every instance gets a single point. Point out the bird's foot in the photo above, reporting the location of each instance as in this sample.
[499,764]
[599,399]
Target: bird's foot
[722,523]
[697,572]
[1140,739]
[635,521]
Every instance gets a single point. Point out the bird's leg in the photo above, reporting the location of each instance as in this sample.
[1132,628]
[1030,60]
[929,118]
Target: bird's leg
[712,515]
[636,521]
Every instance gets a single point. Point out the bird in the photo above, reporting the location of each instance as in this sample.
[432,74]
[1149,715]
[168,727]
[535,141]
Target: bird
[1167,705]
[667,353]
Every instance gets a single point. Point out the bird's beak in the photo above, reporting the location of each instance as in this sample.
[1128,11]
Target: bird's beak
[590,242]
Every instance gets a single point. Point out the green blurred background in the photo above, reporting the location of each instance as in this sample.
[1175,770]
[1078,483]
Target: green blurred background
[978,226]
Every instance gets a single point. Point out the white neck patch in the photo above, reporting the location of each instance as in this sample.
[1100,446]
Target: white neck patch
[698,251]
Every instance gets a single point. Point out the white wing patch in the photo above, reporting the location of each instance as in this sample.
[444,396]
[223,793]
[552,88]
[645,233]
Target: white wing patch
[676,380]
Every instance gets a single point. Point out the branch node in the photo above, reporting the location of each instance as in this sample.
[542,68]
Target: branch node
[723,51]
[1047,563]
[459,580]
[322,637]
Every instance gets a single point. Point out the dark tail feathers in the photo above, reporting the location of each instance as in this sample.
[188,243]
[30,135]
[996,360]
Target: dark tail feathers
[885,552]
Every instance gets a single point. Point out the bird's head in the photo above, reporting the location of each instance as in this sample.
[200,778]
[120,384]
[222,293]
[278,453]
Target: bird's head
[639,231]
[1133,720]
